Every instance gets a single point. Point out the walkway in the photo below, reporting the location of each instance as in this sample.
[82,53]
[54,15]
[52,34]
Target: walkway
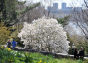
[57,55]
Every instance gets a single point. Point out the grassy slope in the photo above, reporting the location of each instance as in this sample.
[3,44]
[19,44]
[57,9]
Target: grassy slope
[49,59]
[11,56]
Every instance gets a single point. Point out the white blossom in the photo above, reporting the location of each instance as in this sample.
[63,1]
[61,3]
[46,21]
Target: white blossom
[44,34]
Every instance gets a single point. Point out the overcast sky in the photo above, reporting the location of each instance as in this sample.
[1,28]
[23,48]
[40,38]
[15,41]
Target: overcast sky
[76,3]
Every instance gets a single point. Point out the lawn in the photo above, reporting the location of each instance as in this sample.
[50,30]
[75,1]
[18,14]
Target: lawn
[10,56]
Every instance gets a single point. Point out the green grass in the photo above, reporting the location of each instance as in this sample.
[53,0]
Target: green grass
[11,56]
[50,59]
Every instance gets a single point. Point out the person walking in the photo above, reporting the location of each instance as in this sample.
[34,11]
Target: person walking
[14,43]
[9,44]
[81,53]
[76,56]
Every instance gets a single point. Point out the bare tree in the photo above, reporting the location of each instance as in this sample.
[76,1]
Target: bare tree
[34,14]
[81,18]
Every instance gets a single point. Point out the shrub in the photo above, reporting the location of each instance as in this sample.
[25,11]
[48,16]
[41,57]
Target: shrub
[45,35]
[4,33]
[63,21]
[86,61]
[71,51]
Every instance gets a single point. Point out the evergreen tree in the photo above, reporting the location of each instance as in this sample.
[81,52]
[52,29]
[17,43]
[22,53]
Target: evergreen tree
[8,11]
[2,10]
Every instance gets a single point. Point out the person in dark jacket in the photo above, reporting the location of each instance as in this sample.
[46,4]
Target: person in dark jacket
[9,44]
[14,43]
[76,56]
[81,53]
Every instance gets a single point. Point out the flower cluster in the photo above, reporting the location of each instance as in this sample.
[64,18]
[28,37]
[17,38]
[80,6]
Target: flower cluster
[45,34]
[9,49]
[40,61]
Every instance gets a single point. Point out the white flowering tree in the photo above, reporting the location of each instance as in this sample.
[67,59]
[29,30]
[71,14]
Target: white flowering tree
[44,34]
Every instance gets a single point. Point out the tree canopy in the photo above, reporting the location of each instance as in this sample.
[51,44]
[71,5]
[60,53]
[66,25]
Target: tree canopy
[9,13]
[44,35]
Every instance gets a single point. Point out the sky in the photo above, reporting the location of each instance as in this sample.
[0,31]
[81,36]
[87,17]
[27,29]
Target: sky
[76,3]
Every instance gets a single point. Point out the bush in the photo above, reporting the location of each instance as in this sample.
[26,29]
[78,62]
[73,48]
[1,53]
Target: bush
[63,21]
[6,56]
[86,61]
[45,34]
[4,33]
[19,42]
[71,51]
[9,56]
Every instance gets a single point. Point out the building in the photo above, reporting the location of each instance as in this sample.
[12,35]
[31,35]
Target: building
[64,8]
[54,8]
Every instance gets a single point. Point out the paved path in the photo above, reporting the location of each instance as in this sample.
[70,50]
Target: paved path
[69,55]
[46,53]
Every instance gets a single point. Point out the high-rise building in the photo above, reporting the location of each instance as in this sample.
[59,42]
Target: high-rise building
[55,5]
[64,9]
[54,8]
[63,6]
